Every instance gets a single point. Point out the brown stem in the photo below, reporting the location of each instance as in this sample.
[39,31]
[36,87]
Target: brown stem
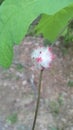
[38,100]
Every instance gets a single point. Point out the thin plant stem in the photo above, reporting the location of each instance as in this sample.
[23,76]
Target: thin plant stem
[38,100]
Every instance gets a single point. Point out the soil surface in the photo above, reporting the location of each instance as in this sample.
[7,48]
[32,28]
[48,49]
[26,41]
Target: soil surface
[19,85]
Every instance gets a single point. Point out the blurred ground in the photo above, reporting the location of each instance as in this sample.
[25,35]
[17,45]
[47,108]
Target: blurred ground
[18,91]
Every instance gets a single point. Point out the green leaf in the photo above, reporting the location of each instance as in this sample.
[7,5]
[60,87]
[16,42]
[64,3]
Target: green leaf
[52,26]
[1,1]
[15,18]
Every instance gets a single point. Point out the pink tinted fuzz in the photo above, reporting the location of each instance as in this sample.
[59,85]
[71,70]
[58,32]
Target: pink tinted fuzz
[43,56]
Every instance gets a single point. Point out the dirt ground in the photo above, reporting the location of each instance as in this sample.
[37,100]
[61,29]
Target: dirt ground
[18,91]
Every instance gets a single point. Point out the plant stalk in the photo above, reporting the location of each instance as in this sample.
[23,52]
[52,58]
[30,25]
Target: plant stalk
[38,100]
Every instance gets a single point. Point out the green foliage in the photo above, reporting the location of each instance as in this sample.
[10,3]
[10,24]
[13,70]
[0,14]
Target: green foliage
[52,26]
[31,31]
[46,42]
[11,119]
[19,67]
[68,35]
[60,100]
[54,106]
[1,1]
[70,83]
[17,15]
